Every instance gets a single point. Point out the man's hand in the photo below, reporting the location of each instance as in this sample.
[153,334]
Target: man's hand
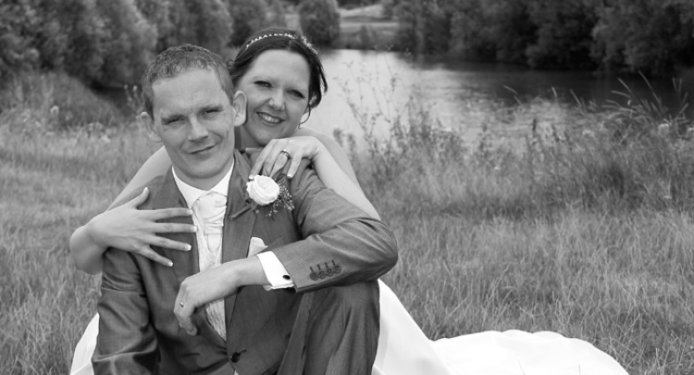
[215,283]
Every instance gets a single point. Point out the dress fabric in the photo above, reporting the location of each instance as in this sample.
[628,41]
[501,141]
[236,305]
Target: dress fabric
[403,349]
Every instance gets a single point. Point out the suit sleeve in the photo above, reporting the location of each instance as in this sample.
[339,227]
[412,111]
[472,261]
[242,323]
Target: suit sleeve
[126,343]
[342,245]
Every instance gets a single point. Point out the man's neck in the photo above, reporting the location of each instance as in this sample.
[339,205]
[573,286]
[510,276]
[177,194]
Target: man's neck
[202,184]
[191,193]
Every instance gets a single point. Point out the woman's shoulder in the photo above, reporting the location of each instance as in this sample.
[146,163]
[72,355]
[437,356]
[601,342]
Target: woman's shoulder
[329,142]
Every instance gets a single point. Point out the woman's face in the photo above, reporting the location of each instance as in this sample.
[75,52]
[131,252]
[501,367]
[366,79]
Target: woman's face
[276,86]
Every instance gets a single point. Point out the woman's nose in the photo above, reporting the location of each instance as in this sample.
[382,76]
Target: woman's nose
[277,101]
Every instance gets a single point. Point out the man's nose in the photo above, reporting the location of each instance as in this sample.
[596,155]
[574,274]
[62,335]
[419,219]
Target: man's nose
[197,130]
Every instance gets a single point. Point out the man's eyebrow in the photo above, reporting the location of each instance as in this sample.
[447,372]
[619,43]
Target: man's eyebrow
[170,117]
[211,106]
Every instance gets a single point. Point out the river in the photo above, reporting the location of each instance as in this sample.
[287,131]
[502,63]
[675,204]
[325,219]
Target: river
[460,94]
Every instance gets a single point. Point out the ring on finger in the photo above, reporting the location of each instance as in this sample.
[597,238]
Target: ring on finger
[286,153]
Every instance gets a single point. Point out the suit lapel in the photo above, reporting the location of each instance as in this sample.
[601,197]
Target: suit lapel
[185,263]
[238,223]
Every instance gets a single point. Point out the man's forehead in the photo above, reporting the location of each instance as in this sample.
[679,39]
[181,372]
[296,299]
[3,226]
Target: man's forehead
[192,88]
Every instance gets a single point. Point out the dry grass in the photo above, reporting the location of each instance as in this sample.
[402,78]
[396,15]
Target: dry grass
[487,242]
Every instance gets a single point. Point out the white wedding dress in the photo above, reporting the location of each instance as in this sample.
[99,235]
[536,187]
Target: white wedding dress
[403,349]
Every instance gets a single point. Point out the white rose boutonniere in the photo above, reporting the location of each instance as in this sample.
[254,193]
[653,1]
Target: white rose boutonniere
[265,191]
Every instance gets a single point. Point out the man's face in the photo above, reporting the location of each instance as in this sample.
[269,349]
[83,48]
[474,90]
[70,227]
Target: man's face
[194,119]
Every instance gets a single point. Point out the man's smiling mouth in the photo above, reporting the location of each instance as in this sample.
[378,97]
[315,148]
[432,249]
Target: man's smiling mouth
[202,150]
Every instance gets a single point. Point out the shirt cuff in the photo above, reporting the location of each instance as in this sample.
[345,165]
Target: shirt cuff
[275,272]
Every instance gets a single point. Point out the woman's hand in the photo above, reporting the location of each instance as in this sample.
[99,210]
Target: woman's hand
[279,151]
[129,229]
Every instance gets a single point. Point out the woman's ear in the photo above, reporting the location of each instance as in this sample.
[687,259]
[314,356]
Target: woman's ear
[239,108]
[147,123]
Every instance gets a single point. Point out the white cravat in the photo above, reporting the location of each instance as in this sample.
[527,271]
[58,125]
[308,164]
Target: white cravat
[208,212]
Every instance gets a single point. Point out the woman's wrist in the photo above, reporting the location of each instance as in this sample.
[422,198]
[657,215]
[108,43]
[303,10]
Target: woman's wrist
[320,151]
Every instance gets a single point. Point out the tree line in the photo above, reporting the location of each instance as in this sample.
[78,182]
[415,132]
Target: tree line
[648,36]
[110,42]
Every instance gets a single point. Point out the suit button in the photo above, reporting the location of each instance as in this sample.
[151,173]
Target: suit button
[321,275]
[313,276]
[329,272]
[337,269]
[235,357]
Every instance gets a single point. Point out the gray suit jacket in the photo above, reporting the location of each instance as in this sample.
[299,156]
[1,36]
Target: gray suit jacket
[324,241]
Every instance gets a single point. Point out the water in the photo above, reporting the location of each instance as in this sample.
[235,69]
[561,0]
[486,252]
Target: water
[458,93]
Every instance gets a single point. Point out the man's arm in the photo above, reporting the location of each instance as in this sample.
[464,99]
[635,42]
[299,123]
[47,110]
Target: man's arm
[126,343]
[342,245]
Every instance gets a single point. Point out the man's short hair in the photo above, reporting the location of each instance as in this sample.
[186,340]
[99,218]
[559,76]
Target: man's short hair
[176,60]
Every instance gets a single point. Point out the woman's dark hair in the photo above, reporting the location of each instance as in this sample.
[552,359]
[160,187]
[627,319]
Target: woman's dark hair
[287,40]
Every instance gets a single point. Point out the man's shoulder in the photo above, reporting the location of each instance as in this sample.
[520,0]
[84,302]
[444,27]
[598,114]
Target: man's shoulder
[155,187]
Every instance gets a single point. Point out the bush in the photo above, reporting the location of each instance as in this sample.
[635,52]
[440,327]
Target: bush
[248,17]
[320,21]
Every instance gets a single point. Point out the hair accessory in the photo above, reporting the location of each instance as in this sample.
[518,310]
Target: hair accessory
[301,39]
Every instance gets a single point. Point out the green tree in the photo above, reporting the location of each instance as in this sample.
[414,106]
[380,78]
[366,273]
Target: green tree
[320,21]
[564,34]
[276,14]
[649,36]
[248,17]
[129,42]
[213,23]
[17,47]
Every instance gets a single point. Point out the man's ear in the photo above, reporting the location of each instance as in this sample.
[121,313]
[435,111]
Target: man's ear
[239,108]
[148,124]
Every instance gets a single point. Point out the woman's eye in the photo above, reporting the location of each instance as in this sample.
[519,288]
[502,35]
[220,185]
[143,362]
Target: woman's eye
[297,94]
[262,83]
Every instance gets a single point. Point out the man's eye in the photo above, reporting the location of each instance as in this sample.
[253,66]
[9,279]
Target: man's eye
[172,121]
[211,111]
[262,83]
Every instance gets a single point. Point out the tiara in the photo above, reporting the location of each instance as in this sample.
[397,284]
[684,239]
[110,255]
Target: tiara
[301,39]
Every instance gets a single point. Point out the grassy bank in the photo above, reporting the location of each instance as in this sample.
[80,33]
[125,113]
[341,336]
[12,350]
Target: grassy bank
[586,229]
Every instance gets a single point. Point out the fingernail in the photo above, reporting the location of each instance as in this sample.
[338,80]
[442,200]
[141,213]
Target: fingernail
[188,247]
[146,188]
[193,228]
[189,212]
[290,175]
[169,263]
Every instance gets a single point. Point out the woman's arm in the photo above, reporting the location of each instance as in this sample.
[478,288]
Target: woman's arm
[127,228]
[329,160]
[157,164]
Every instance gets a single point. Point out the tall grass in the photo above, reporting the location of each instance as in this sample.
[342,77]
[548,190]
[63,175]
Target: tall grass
[567,227]
[581,226]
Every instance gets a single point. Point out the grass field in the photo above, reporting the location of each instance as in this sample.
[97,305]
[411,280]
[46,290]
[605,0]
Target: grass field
[577,233]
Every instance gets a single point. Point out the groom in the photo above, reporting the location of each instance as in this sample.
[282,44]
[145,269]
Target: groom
[306,304]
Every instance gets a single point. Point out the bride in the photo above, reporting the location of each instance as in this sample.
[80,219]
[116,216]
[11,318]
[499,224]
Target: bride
[403,348]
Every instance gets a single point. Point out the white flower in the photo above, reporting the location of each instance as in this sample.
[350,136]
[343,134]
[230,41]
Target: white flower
[262,189]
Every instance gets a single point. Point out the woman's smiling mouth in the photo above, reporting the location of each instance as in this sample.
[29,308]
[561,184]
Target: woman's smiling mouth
[269,118]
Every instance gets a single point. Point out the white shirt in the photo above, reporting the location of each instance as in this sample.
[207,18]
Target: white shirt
[273,268]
